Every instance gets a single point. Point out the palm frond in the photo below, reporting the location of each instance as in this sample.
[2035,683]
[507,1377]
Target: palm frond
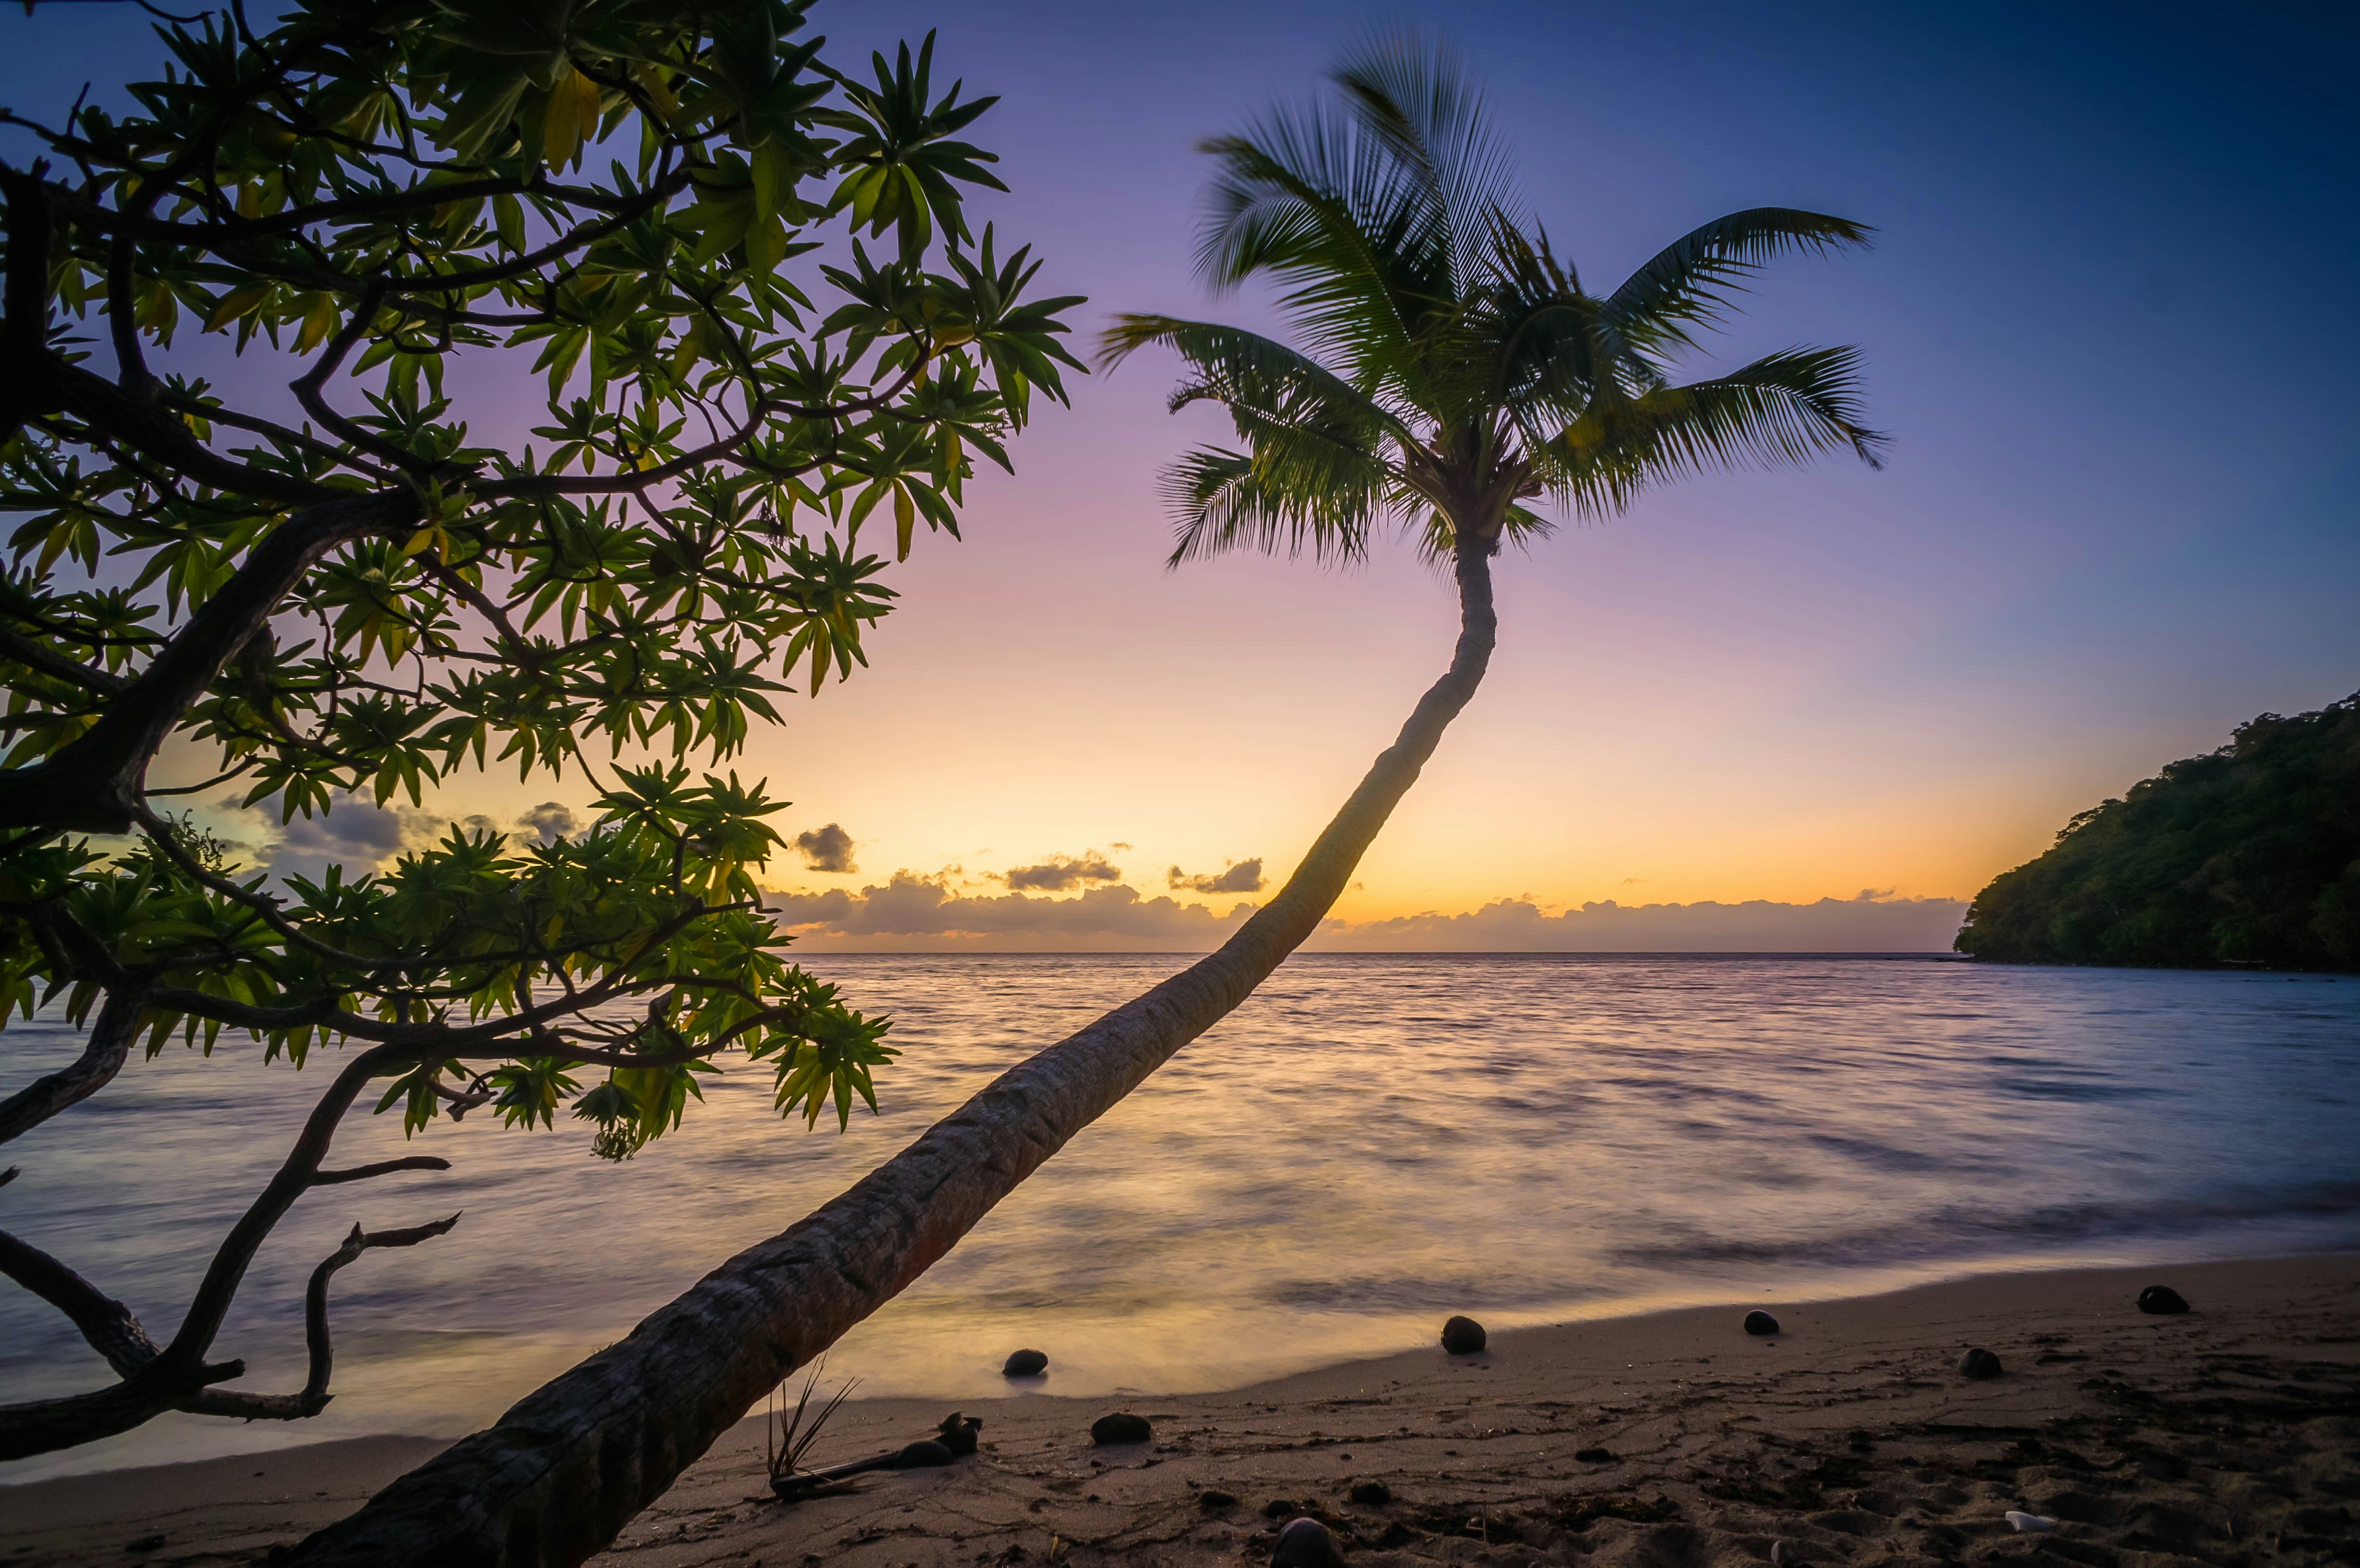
[1783,408]
[1233,366]
[1689,281]
[1343,226]
[1417,99]
[1520,525]
[1224,501]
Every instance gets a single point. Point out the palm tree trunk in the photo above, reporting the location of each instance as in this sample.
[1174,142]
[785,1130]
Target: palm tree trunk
[559,1475]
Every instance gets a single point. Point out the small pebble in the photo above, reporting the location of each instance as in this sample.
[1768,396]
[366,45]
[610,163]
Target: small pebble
[1460,1336]
[1372,1494]
[1758,1323]
[1213,1500]
[2030,1524]
[1594,1456]
[1120,1427]
[1979,1364]
[1026,1364]
[2161,1301]
[1782,1555]
[1279,1508]
[1306,1543]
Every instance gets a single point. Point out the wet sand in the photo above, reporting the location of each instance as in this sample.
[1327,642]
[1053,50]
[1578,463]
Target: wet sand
[2228,1435]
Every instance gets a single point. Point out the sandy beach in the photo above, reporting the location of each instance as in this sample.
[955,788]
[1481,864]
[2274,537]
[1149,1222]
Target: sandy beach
[2227,1435]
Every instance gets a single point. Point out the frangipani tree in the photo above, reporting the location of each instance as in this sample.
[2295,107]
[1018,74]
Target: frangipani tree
[1453,377]
[334,592]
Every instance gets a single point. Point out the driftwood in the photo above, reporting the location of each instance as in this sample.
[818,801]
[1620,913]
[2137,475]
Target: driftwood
[953,1440]
[559,1475]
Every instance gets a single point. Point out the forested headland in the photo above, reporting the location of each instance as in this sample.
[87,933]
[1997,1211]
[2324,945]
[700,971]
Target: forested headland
[2249,855]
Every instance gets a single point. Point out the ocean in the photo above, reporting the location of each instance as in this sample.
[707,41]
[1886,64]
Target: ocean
[1369,1144]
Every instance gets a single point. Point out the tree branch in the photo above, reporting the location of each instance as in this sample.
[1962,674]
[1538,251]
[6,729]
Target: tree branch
[104,1321]
[103,1056]
[94,783]
[157,433]
[32,655]
[25,331]
[382,1168]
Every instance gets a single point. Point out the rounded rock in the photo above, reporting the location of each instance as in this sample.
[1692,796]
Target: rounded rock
[1026,1364]
[1372,1494]
[1212,1500]
[1595,1456]
[1760,1323]
[1460,1336]
[1120,1427]
[1979,1364]
[2161,1301]
[1306,1543]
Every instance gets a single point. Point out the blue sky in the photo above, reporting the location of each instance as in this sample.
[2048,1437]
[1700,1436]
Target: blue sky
[2110,321]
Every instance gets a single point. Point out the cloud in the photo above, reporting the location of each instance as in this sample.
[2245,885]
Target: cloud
[354,832]
[549,822]
[826,849]
[1872,923]
[913,913]
[1062,873]
[1242,877]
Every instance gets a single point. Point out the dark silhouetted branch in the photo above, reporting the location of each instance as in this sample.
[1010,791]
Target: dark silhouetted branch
[94,783]
[104,1321]
[382,1168]
[103,1056]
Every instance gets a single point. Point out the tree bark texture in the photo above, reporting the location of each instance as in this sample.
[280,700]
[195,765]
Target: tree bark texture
[102,1058]
[561,1473]
[96,783]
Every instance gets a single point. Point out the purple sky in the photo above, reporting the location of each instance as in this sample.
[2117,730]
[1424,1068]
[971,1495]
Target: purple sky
[2109,321]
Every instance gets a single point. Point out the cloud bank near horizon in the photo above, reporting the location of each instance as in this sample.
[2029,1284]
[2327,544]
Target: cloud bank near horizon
[916,913]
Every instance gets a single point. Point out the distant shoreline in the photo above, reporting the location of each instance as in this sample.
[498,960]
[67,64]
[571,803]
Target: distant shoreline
[1853,1421]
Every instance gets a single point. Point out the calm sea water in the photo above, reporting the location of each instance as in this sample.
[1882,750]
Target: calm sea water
[1371,1143]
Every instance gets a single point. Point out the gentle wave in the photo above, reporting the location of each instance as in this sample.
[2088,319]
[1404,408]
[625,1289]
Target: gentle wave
[1370,1142]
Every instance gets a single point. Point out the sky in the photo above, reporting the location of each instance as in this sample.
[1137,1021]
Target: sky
[2109,321]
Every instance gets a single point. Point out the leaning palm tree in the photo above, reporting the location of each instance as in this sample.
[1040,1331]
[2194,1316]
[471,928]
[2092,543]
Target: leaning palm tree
[1453,373]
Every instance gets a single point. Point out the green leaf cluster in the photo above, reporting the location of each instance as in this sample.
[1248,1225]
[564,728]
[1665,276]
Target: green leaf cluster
[339,593]
[2249,854]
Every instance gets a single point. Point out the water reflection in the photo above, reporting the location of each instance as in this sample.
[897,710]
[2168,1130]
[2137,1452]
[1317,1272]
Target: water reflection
[1369,1143]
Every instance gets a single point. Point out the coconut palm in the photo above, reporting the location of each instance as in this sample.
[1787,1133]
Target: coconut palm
[1453,375]
[1454,378]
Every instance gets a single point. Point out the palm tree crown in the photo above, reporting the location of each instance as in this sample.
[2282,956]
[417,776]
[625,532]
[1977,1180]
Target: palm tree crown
[1453,368]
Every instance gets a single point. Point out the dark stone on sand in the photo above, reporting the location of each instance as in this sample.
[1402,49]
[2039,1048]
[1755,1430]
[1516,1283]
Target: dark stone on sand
[2162,1301]
[1120,1427]
[1213,1500]
[1026,1364]
[1594,1456]
[925,1455]
[1979,1364]
[1306,1543]
[1760,1323]
[1460,1336]
[1372,1494]
[1280,1508]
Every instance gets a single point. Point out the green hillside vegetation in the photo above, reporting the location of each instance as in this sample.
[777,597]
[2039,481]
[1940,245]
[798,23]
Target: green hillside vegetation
[2250,856]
